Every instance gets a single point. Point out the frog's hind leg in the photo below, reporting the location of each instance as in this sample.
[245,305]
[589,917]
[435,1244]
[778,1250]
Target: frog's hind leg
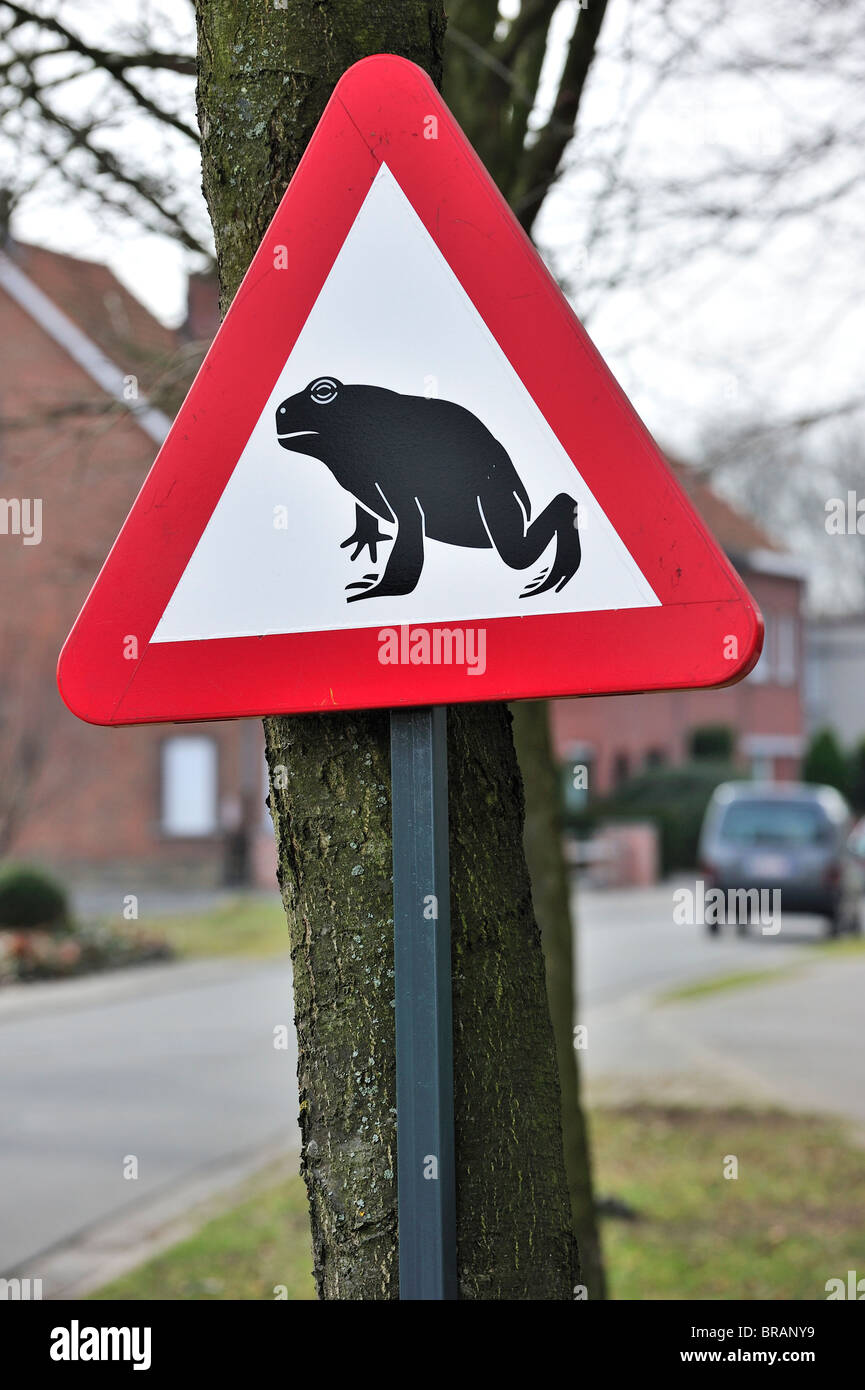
[521,542]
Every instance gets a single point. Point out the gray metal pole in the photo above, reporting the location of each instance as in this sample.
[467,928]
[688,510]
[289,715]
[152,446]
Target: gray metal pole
[422,988]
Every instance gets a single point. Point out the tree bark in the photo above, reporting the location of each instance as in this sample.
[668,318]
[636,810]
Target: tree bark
[550,892]
[264,77]
[493,102]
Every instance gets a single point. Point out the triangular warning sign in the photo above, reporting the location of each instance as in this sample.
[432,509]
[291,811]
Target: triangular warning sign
[403,474]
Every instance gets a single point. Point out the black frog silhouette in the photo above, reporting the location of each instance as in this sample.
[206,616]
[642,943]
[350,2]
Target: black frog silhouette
[433,470]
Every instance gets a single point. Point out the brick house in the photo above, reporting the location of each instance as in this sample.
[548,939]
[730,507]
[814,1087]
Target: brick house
[88,383]
[617,736]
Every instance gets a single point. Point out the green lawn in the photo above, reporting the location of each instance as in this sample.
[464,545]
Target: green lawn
[242,927]
[259,1246]
[793,1218]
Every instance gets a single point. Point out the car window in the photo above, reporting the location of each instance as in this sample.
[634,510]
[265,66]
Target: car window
[755,822]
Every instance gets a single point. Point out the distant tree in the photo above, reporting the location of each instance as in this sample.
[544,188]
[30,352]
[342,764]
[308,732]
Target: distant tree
[824,762]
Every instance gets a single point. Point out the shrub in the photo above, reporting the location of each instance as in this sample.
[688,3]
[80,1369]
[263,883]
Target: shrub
[857,778]
[712,741]
[824,762]
[31,898]
[673,798]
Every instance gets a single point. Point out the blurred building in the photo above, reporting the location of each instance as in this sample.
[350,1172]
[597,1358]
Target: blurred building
[618,736]
[88,383]
[835,676]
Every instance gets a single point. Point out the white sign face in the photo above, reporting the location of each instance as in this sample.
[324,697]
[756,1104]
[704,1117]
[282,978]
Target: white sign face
[457,527]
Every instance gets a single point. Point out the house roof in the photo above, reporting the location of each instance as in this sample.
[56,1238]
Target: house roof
[117,326]
[733,531]
[95,300]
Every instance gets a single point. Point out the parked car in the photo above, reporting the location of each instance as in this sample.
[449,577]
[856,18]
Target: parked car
[789,836]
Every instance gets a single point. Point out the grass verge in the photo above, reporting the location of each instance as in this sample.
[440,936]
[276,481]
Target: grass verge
[717,984]
[259,1246]
[243,927]
[742,979]
[793,1218]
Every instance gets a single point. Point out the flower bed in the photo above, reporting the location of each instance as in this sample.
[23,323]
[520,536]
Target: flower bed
[39,953]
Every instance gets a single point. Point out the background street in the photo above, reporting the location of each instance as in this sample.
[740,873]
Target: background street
[176,1064]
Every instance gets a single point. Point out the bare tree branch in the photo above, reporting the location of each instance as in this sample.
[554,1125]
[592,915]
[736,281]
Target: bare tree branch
[116,64]
[541,161]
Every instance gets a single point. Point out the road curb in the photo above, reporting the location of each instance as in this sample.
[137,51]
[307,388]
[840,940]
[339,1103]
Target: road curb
[107,1249]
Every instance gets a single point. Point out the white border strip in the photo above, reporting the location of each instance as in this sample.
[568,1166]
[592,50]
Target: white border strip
[80,348]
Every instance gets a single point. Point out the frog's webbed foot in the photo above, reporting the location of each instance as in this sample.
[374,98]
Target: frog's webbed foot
[366,533]
[535,586]
[363,584]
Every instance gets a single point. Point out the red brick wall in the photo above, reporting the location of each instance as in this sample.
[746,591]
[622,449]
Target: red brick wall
[631,726]
[96,798]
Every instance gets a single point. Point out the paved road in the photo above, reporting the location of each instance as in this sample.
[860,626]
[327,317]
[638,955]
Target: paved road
[176,1064]
[629,942]
[172,1064]
[794,1041]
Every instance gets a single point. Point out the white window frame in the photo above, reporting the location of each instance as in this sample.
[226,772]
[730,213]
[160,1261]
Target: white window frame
[764,671]
[189,813]
[786,649]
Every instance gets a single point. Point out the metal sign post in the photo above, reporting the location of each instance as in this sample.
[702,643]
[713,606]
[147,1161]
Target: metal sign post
[422,983]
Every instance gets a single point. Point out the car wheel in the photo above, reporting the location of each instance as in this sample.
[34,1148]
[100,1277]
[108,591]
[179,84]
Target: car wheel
[834,925]
[713,928]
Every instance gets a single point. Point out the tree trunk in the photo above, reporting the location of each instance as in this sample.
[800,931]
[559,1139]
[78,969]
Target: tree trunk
[543,844]
[494,108]
[264,77]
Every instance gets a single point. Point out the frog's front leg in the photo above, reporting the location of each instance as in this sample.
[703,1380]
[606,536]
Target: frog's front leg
[366,533]
[404,563]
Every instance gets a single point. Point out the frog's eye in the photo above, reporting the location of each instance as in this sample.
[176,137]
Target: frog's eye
[324,390]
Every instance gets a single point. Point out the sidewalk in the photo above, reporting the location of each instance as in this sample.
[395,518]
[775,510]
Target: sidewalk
[793,1042]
